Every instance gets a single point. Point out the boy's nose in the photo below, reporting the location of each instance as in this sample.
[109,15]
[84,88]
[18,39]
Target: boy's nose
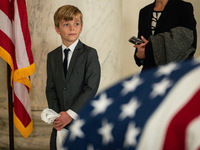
[72,27]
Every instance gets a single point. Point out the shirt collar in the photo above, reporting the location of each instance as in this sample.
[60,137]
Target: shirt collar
[71,47]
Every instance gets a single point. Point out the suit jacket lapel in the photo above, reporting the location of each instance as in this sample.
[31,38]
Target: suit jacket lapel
[73,59]
[163,15]
[148,18]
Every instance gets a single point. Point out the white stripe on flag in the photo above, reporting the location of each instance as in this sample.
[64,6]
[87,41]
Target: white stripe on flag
[20,48]
[22,94]
[6,27]
[157,126]
[193,135]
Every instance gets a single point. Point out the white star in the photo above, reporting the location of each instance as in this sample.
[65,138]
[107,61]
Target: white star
[90,147]
[101,105]
[166,69]
[105,132]
[129,109]
[131,134]
[160,88]
[131,85]
[75,129]
[196,61]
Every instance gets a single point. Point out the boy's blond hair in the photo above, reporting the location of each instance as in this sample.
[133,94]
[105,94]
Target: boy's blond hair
[67,12]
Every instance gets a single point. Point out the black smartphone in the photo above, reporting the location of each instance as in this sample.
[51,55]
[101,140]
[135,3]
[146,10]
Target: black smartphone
[135,40]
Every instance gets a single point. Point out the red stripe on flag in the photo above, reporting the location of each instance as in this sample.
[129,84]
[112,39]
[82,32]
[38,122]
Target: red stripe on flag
[6,43]
[21,112]
[6,8]
[176,132]
[25,30]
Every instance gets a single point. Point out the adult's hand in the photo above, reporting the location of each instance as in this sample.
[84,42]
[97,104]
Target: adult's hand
[141,48]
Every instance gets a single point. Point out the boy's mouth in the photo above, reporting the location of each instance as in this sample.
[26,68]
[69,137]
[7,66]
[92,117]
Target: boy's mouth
[72,34]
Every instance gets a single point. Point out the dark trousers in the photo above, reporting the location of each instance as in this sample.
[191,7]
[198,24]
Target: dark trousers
[53,139]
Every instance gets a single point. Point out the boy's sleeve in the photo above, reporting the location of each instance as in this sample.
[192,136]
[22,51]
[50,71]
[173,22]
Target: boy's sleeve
[50,89]
[92,80]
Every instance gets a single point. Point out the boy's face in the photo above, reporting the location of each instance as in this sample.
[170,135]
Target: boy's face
[69,30]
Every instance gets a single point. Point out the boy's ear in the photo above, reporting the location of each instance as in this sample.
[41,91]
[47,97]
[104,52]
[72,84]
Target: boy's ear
[57,30]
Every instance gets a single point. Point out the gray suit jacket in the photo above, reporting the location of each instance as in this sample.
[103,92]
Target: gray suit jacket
[81,82]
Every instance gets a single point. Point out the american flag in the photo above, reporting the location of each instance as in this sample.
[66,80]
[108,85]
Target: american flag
[15,49]
[156,110]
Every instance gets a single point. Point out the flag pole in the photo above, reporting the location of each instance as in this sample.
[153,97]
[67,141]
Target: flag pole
[10,109]
[10,102]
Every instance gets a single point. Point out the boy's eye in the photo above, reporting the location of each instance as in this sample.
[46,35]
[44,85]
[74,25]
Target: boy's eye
[66,24]
[76,24]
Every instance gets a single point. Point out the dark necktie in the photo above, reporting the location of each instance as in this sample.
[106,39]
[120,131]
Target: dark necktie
[65,61]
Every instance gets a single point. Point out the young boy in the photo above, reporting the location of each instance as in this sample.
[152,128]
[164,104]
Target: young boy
[72,78]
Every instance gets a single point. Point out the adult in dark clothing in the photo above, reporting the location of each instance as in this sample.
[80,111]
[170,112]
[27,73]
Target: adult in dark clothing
[169,23]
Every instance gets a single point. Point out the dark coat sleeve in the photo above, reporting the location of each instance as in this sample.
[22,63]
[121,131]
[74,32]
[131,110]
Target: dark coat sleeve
[91,81]
[187,20]
[51,94]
